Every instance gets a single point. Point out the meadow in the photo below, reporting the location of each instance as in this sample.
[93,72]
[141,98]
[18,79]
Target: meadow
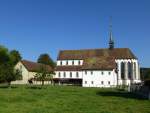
[69,99]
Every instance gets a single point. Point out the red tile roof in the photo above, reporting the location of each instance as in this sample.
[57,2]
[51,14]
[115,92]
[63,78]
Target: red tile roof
[34,67]
[117,53]
[99,63]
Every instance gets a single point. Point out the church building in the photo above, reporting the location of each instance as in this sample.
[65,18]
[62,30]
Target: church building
[106,67]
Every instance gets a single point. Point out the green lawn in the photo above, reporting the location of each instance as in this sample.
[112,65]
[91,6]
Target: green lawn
[67,99]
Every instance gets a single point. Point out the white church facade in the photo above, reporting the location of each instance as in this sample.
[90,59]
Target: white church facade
[108,67]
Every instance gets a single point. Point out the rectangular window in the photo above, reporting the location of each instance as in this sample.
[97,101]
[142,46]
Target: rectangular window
[60,62]
[102,82]
[72,62]
[91,72]
[79,62]
[77,74]
[109,73]
[85,82]
[66,62]
[64,74]
[85,72]
[109,82]
[102,72]
[59,74]
[92,82]
[70,74]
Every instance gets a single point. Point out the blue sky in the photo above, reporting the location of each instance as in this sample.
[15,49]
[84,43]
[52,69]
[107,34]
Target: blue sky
[47,26]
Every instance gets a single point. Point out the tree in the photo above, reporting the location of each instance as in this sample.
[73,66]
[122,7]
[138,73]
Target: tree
[43,74]
[8,74]
[4,55]
[46,59]
[15,56]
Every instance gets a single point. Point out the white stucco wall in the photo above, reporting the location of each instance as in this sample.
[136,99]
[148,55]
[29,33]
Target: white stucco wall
[74,74]
[70,62]
[97,77]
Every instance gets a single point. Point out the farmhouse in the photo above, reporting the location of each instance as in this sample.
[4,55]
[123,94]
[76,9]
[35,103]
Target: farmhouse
[106,67]
[28,70]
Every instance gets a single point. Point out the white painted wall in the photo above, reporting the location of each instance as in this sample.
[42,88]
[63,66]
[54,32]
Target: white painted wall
[70,62]
[97,77]
[67,73]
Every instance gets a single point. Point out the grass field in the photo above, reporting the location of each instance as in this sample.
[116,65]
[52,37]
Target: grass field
[67,99]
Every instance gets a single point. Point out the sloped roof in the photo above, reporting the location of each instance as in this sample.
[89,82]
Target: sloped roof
[35,67]
[117,53]
[99,63]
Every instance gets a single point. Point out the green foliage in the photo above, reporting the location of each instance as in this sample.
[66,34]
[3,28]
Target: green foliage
[145,73]
[8,74]
[15,56]
[43,74]
[46,59]
[7,63]
[4,55]
[63,99]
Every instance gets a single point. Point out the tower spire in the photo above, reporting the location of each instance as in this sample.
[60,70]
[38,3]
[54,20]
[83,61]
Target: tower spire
[111,41]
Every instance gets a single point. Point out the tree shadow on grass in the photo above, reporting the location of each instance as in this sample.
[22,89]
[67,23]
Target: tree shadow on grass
[123,94]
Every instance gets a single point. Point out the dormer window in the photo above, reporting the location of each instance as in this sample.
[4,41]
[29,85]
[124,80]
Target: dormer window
[79,62]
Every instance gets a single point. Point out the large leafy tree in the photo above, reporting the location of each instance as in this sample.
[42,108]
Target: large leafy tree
[7,72]
[15,56]
[46,59]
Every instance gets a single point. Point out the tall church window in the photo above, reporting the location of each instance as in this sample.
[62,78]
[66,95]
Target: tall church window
[122,70]
[129,70]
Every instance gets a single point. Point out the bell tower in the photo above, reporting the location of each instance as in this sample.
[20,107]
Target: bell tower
[111,41]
